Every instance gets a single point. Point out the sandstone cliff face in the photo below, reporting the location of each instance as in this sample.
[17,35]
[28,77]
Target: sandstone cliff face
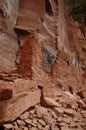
[35,13]
[45,51]
[8,38]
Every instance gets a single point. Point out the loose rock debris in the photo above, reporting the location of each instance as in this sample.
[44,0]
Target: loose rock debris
[44,118]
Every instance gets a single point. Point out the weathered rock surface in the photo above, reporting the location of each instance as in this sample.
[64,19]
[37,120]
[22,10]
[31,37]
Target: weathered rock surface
[6,90]
[32,14]
[46,120]
[8,38]
[12,108]
[42,62]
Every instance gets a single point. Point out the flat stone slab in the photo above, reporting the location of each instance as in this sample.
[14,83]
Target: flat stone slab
[30,15]
[14,107]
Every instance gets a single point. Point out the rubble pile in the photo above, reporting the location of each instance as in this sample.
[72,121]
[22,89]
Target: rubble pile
[57,115]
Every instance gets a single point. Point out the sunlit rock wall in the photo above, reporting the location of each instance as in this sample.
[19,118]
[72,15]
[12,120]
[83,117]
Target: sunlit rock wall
[8,38]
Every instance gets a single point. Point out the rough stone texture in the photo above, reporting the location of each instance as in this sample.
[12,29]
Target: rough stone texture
[68,98]
[63,41]
[24,116]
[70,112]
[6,90]
[31,14]
[12,108]
[47,121]
[44,56]
[51,102]
[8,126]
[41,111]
[83,113]
[20,122]
[8,38]
[81,104]
[10,9]
[59,111]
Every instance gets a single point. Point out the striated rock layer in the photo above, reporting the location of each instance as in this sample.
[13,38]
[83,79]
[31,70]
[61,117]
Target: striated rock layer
[8,38]
[43,56]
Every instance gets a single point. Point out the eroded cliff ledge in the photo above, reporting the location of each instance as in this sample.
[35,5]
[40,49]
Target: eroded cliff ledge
[41,49]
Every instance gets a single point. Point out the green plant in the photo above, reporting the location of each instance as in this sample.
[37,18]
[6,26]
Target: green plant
[77,9]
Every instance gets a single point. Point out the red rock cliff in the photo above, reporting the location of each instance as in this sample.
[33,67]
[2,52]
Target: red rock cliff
[45,51]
